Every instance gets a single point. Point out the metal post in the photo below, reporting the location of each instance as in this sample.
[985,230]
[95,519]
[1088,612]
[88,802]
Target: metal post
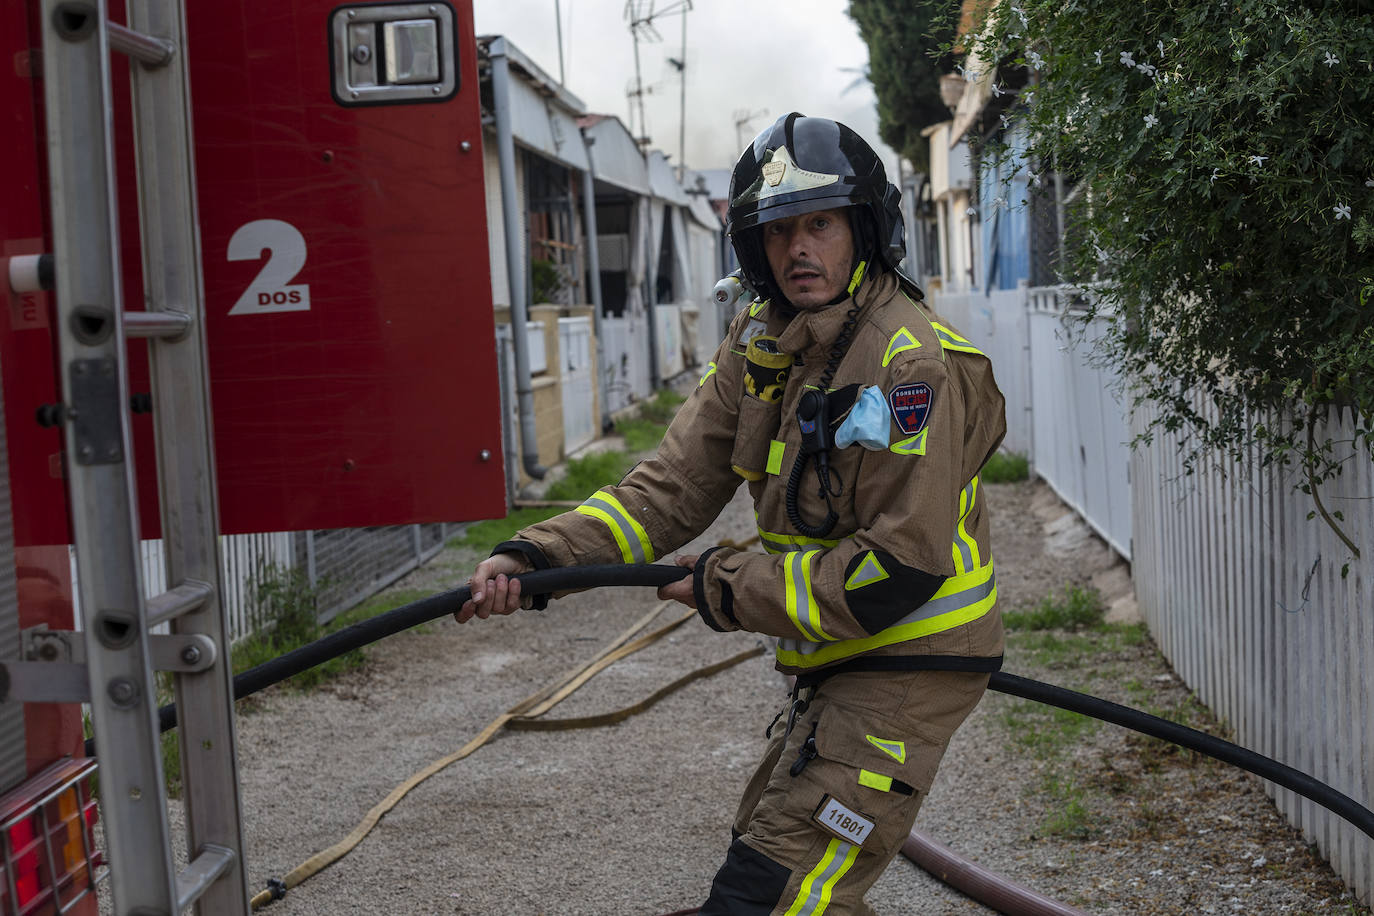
[100,480]
[516,263]
[594,277]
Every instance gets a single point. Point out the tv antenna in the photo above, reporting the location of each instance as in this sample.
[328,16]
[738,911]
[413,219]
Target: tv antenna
[640,14]
[742,118]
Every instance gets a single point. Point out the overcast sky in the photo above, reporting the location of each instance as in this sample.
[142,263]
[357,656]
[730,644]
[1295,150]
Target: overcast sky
[758,57]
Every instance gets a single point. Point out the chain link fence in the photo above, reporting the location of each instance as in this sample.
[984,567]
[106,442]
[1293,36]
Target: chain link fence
[346,566]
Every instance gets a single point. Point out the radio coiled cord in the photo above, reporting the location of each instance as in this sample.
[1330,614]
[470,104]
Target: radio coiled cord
[814,416]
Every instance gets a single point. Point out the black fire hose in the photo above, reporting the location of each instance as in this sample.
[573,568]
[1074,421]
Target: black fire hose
[582,577]
[1193,740]
[365,632]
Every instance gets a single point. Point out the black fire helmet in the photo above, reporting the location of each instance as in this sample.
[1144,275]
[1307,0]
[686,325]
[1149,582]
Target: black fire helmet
[800,165]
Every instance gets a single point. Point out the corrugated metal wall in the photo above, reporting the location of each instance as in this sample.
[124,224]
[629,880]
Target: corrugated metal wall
[1244,594]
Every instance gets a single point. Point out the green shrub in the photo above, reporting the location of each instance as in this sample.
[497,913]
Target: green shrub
[1224,213]
[662,407]
[641,435]
[1006,467]
[1079,608]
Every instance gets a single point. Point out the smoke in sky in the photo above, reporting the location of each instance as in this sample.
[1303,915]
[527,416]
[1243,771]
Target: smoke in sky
[744,58]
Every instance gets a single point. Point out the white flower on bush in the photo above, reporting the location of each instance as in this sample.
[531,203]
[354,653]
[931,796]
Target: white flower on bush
[1146,68]
[1342,211]
[1258,160]
[1150,121]
[1331,60]
[1215,173]
[1127,58]
[1097,56]
[1036,60]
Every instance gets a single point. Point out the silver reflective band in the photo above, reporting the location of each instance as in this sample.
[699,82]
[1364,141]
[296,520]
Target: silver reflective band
[625,525]
[933,608]
[780,175]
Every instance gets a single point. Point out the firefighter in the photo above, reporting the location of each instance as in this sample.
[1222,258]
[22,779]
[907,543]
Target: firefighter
[859,424]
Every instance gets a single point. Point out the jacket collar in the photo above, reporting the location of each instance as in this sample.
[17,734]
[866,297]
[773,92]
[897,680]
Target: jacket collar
[808,330]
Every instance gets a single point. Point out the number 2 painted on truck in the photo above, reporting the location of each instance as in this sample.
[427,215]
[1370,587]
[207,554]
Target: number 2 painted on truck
[272,289]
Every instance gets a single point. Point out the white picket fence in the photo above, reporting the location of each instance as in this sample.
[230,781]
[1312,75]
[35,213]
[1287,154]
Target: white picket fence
[1260,607]
[1245,594]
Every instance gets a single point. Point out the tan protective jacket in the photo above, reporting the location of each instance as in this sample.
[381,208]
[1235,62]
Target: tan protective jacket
[909,513]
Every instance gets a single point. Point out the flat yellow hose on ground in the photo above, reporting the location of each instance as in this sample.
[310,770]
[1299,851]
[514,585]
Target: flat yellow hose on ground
[523,715]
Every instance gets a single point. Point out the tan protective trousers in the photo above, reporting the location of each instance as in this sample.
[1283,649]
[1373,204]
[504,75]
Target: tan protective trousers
[831,803]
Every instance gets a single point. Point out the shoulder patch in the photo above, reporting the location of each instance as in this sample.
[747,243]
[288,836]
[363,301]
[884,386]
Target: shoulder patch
[755,327]
[910,404]
[902,340]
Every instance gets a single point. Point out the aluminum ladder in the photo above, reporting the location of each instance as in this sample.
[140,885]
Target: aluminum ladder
[92,329]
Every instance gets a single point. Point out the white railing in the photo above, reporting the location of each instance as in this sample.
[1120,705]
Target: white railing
[576,359]
[1079,434]
[996,323]
[626,366]
[243,557]
[1251,600]
[1063,407]
[1260,607]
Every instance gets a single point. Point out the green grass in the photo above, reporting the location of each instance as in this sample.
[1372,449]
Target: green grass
[1005,467]
[1078,608]
[1070,815]
[641,435]
[584,477]
[1045,731]
[588,474]
[662,406]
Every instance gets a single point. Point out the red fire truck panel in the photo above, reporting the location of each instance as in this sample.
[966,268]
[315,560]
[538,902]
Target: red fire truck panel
[343,239]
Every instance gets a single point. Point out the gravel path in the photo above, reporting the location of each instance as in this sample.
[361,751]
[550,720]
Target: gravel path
[634,818]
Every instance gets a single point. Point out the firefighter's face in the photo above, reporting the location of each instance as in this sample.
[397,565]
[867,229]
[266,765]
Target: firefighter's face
[810,256]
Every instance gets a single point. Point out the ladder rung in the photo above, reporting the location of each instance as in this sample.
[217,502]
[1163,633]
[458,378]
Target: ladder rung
[167,324]
[155,52]
[203,871]
[186,597]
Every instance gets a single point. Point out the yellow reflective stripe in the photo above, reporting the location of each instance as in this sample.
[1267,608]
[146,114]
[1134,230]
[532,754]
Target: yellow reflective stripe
[857,278]
[710,371]
[819,884]
[960,600]
[801,603]
[597,512]
[635,526]
[902,340]
[951,341]
[757,307]
[634,542]
[775,450]
[894,749]
[786,543]
[747,475]
[916,445]
[965,547]
[867,572]
[875,780]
